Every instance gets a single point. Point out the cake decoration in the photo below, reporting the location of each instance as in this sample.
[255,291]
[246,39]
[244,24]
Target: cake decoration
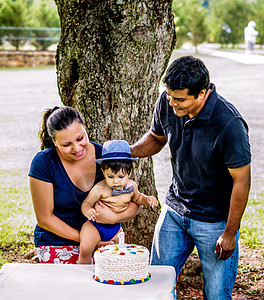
[121,263]
[121,238]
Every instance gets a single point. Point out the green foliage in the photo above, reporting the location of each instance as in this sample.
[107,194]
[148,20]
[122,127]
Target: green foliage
[258,17]
[233,13]
[17,218]
[251,231]
[190,17]
[21,13]
[197,20]
[14,13]
[44,14]
[180,19]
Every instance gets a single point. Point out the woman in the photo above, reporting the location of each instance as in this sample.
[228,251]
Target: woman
[61,176]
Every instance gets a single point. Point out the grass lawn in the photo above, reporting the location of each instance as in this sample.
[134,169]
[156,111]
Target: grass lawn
[251,232]
[17,219]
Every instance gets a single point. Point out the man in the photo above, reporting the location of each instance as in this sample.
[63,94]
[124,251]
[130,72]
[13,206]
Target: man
[210,157]
[250,35]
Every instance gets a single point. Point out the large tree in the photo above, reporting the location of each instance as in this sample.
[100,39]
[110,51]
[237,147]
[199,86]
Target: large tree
[110,60]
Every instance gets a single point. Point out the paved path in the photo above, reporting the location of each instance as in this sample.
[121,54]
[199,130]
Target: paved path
[239,55]
[248,59]
[26,93]
[236,55]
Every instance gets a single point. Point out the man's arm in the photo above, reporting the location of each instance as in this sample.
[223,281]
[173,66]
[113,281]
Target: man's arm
[226,243]
[148,145]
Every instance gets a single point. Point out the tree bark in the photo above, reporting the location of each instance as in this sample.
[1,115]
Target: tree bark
[110,60]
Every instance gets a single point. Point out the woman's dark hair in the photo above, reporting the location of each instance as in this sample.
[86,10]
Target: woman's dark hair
[187,72]
[125,165]
[56,119]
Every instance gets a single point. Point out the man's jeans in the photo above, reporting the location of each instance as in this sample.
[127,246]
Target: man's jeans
[174,240]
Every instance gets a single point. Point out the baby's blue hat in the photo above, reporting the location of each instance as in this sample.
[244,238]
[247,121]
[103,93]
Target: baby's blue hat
[117,149]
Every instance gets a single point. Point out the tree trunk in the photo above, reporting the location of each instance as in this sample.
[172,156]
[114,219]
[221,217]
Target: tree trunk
[110,60]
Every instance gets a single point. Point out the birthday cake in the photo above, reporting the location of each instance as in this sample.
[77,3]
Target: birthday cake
[121,264]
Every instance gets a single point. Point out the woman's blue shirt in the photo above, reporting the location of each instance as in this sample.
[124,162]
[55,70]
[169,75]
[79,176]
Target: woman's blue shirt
[68,198]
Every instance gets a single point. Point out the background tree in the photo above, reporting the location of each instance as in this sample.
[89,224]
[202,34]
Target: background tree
[191,21]
[44,14]
[180,18]
[110,59]
[14,13]
[258,17]
[233,13]
[197,22]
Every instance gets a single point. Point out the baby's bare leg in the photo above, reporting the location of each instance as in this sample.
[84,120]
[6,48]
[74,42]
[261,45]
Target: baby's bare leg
[89,238]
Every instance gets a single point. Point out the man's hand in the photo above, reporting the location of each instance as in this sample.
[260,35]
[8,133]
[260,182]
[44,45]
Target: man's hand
[225,246]
[226,243]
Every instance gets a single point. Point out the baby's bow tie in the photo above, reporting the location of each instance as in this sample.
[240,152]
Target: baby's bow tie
[124,191]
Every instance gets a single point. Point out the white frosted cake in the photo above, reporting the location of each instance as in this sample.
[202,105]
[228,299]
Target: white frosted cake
[121,264]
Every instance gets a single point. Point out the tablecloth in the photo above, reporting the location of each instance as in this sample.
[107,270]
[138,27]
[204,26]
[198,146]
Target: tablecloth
[54,281]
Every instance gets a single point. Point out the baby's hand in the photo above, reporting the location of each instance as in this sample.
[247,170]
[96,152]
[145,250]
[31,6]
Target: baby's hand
[91,214]
[152,201]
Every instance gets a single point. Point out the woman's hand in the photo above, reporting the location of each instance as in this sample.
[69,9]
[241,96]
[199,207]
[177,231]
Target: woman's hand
[100,244]
[91,214]
[107,216]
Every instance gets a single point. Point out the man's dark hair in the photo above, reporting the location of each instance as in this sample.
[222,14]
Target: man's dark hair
[187,72]
[115,165]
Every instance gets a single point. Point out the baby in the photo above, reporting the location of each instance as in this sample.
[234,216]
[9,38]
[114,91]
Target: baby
[115,191]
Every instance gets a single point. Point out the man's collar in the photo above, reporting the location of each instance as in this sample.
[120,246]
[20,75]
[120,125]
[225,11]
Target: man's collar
[208,107]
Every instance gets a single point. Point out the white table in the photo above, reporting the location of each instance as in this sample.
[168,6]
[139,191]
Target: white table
[68,282]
